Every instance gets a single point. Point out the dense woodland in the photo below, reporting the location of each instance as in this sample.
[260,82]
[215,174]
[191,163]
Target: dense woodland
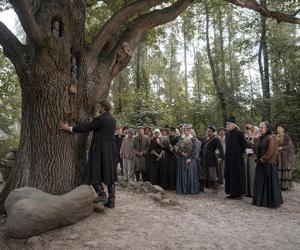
[214,60]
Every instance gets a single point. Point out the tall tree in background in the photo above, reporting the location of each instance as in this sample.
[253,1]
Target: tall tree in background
[263,62]
[215,76]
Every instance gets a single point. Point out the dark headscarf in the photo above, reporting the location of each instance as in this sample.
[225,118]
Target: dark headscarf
[269,128]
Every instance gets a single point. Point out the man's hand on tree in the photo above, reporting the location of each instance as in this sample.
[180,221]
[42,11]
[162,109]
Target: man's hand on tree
[64,126]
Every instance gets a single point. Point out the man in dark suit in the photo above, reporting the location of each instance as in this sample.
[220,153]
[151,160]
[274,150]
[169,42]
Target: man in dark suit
[234,173]
[209,161]
[102,162]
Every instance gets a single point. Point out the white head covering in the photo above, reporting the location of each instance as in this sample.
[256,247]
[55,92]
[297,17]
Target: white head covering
[156,131]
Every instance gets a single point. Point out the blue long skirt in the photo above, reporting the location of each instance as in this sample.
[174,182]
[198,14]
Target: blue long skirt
[187,177]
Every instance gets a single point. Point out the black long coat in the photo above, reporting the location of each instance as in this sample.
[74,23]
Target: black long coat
[234,173]
[208,151]
[102,162]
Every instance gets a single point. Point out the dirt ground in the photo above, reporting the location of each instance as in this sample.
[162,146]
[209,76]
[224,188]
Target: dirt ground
[204,221]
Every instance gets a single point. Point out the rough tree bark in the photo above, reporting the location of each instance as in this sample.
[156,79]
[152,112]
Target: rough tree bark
[61,77]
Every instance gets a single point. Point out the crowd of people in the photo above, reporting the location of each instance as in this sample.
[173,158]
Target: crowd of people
[251,161]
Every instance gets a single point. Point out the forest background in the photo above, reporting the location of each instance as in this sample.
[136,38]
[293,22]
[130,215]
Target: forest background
[213,61]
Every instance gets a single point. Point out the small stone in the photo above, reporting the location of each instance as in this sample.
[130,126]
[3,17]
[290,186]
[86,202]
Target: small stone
[73,237]
[34,240]
[157,189]
[148,185]
[92,243]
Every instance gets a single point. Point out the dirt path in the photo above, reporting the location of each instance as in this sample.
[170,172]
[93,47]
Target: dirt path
[205,221]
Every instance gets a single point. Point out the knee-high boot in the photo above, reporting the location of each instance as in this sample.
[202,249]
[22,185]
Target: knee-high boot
[202,185]
[215,185]
[102,196]
[111,196]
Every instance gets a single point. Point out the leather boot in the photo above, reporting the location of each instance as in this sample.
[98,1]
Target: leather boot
[111,196]
[201,185]
[102,196]
[214,185]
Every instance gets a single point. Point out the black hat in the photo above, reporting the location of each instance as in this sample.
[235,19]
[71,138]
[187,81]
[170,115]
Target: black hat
[173,129]
[211,127]
[231,119]
[166,128]
[125,127]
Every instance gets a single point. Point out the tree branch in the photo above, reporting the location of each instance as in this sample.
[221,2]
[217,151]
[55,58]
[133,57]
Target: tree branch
[264,11]
[12,47]
[121,54]
[28,22]
[112,25]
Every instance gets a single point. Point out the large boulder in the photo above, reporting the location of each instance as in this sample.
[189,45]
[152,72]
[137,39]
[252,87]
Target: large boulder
[31,211]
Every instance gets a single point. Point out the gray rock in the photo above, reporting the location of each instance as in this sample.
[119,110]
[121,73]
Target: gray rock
[31,211]
[148,185]
[157,189]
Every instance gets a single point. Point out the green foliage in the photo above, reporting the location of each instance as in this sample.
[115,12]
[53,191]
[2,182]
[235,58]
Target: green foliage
[10,106]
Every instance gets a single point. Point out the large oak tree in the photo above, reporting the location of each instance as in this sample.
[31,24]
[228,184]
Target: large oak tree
[61,77]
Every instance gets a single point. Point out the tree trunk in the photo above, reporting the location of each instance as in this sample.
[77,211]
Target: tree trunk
[55,87]
[185,61]
[219,90]
[263,62]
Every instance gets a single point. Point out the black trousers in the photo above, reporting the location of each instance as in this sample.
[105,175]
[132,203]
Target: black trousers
[138,175]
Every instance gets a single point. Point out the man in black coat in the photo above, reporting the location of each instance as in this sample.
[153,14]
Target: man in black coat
[102,162]
[234,173]
[208,158]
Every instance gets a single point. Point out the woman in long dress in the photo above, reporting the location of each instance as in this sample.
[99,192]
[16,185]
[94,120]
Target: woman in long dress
[285,158]
[266,192]
[156,156]
[168,180]
[187,176]
[251,134]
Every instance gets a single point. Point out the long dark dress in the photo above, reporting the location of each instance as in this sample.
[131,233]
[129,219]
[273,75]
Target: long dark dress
[102,162]
[285,160]
[169,166]
[187,175]
[266,191]
[234,173]
[250,167]
[155,167]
